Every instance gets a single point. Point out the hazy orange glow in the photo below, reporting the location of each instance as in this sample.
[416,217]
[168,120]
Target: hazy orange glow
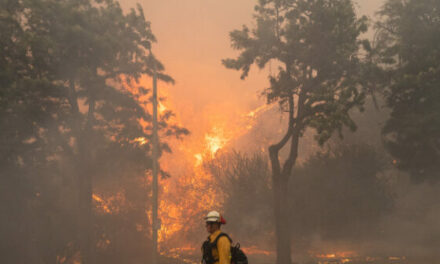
[189,194]
[211,101]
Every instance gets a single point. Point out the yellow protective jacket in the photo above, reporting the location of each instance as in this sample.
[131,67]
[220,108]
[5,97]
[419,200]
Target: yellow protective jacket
[223,250]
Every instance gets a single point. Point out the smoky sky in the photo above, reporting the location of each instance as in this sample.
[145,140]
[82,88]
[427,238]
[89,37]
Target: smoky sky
[193,38]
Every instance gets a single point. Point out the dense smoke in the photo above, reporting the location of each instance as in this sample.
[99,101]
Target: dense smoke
[76,135]
[350,198]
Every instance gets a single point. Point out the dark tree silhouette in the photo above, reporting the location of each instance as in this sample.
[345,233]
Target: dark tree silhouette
[408,51]
[316,45]
[70,107]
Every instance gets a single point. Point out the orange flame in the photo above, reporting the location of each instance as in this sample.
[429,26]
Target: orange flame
[101,204]
[186,196]
[215,143]
[190,194]
[109,205]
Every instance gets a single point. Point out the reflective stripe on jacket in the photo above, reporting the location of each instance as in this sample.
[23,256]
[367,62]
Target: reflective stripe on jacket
[223,250]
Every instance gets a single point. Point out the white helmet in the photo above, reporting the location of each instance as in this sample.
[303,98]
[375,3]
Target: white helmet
[215,217]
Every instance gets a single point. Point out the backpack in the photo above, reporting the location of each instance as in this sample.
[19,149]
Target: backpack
[237,255]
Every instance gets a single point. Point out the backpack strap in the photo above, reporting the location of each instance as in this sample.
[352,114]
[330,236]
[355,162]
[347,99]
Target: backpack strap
[219,236]
[214,244]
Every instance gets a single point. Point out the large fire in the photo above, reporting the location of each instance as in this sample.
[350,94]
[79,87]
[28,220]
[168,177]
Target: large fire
[186,197]
[189,193]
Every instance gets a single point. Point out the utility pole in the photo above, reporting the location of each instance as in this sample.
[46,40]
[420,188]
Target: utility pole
[155,226]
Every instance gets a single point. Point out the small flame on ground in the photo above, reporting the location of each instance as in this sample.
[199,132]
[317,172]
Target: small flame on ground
[353,257]
[326,256]
[342,254]
[253,250]
[396,258]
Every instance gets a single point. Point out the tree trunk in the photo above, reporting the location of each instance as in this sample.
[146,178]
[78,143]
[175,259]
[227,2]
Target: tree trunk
[86,187]
[85,211]
[84,175]
[280,181]
[282,228]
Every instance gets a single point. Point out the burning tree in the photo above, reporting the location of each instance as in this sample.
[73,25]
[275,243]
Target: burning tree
[316,45]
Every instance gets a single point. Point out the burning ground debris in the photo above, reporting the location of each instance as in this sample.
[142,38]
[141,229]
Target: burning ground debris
[338,258]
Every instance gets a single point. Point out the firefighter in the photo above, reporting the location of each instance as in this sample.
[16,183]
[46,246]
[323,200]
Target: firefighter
[216,251]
